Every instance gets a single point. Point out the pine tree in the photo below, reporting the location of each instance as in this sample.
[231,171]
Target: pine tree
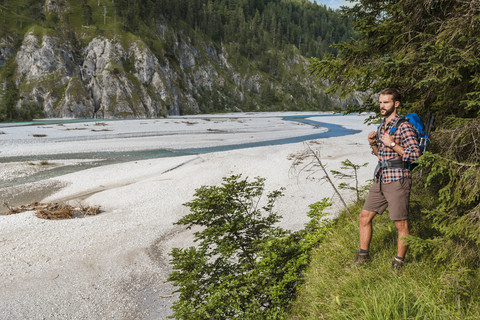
[427,49]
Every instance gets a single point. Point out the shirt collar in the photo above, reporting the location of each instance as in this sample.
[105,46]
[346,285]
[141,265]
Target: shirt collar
[390,124]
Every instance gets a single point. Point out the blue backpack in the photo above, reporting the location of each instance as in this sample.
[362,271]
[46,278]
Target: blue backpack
[422,138]
[417,124]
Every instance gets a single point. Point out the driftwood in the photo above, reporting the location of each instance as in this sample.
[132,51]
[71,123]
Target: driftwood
[54,211]
[313,159]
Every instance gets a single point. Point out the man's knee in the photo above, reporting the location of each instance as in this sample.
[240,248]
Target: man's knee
[402,225]
[365,216]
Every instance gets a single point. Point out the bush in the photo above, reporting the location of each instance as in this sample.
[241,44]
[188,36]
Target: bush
[244,267]
[29,110]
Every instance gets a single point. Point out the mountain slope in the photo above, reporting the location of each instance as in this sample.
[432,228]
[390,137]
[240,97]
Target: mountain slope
[111,59]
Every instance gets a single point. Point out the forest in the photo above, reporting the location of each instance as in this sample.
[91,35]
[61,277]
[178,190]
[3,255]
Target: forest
[252,24]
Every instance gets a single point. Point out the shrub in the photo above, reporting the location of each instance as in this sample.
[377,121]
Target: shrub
[244,266]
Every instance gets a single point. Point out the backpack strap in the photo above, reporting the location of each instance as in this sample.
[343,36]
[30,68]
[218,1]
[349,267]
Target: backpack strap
[378,131]
[392,130]
[393,163]
[396,124]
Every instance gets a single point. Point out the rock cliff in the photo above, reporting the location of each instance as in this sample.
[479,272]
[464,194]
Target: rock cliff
[83,73]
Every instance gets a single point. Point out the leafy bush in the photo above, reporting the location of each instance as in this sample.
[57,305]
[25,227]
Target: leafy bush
[244,267]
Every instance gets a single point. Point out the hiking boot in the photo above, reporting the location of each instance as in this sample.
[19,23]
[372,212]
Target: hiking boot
[362,258]
[397,264]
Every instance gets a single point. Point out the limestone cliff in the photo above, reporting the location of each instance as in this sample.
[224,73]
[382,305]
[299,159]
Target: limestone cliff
[80,72]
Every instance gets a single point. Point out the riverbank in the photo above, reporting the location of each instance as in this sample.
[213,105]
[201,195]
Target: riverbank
[114,265]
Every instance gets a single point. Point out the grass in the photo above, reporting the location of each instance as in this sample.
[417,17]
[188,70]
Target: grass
[336,288]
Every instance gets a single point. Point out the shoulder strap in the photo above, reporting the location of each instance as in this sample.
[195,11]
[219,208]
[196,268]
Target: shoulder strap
[378,131]
[396,124]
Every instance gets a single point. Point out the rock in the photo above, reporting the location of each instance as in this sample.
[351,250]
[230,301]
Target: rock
[80,74]
[56,6]
[6,51]
[38,58]
[115,94]
[45,66]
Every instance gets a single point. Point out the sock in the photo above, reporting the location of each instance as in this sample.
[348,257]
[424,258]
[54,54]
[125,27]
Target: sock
[363,251]
[399,258]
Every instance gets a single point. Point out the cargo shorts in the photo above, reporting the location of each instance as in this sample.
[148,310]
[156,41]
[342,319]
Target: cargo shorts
[394,195]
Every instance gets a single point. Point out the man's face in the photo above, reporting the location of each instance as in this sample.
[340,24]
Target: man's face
[387,105]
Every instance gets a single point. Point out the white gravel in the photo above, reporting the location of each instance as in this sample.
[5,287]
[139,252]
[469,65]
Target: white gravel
[114,265]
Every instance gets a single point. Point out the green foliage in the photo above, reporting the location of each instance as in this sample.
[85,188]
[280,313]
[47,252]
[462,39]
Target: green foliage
[352,176]
[244,266]
[29,110]
[7,106]
[449,223]
[253,24]
[9,95]
[318,226]
[427,49]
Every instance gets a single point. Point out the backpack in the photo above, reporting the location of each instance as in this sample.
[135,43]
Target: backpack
[422,136]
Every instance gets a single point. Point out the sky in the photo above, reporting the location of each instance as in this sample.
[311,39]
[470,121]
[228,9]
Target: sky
[334,4]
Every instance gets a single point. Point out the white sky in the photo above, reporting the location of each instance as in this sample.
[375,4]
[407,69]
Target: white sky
[334,4]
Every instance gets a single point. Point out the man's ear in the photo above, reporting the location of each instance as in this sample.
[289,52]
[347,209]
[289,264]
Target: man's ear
[397,104]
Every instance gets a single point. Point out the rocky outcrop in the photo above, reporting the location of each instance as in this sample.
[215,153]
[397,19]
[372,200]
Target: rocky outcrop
[99,87]
[55,6]
[120,76]
[6,51]
[45,66]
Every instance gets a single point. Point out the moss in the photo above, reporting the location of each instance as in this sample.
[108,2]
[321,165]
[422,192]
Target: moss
[125,114]
[76,89]
[129,64]
[39,31]
[49,82]
[114,68]
[126,39]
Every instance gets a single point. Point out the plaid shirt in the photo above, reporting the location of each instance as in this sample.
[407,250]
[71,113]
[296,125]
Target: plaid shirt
[405,137]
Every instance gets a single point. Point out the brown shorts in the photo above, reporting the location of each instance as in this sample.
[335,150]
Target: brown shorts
[394,195]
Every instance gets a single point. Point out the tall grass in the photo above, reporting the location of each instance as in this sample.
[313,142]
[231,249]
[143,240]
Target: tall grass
[336,288]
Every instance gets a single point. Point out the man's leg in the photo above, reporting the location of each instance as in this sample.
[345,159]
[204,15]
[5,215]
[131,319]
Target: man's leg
[402,227]
[365,224]
[375,203]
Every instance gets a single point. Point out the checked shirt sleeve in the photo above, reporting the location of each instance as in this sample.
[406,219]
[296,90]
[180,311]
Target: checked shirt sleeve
[411,151]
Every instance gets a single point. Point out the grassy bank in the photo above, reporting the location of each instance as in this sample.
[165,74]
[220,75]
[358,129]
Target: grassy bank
[336,288]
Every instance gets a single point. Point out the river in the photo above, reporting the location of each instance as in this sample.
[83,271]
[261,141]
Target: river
[99,157]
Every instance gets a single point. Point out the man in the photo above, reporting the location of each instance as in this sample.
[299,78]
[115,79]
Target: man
[392,177]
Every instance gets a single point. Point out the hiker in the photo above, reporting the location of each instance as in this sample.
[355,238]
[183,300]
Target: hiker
[392,177]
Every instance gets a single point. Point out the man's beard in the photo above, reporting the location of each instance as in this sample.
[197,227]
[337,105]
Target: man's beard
[387,112]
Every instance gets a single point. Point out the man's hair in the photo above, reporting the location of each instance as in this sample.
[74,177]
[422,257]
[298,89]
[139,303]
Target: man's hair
[392,92]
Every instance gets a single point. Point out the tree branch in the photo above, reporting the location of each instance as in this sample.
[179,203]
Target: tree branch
[319,161]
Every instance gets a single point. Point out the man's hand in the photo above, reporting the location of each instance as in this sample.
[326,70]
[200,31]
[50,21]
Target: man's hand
[387,139]
[372,137]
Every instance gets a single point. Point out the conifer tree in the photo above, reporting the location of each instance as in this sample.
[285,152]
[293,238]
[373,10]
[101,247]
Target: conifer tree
[430,51]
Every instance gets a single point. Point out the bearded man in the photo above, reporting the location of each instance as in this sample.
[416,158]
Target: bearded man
[392,182]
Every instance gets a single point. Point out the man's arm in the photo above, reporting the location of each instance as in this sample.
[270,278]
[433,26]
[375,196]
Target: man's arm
[411,150]
[372,140]
[388,139]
